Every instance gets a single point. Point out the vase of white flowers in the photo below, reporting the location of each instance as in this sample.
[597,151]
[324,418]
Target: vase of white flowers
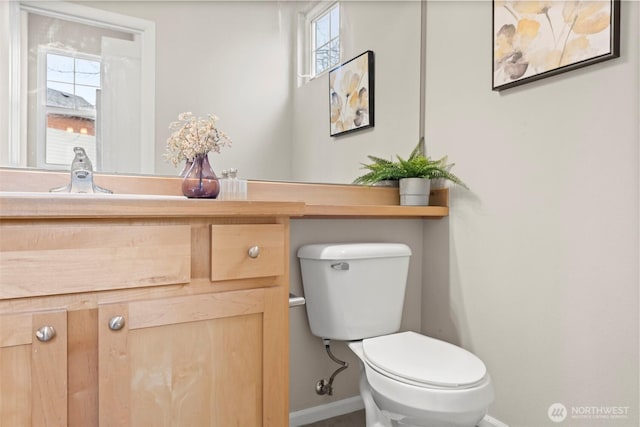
[191,140]
[200,180]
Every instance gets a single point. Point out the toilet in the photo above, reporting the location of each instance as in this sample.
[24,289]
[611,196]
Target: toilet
[355,293]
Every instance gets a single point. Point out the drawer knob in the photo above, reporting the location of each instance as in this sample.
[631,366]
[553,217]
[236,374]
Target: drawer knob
[254,251]
[116,323]
[45,333]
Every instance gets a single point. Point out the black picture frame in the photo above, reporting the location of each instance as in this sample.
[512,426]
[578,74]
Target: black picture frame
[518,55]
[351,95]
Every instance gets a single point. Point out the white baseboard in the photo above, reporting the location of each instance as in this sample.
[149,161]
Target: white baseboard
[352,404]
[489,421]
[322,412]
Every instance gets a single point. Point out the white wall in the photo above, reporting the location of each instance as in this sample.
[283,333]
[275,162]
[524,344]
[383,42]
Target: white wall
[392,31]
[543,252]
[4,77]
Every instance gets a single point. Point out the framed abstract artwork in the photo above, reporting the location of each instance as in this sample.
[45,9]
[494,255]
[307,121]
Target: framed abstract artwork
[351,92]
[533,40]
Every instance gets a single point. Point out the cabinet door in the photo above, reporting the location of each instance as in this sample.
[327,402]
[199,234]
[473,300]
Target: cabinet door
[33,369]
[200,360]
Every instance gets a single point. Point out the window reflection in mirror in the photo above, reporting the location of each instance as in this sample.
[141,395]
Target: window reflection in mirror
[72,85]
[325,45]
[81,83]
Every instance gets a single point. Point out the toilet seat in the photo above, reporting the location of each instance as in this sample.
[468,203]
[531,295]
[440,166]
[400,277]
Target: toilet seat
[396,395]
[422,361]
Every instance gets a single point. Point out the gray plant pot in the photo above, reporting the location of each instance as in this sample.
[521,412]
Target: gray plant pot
[414,191]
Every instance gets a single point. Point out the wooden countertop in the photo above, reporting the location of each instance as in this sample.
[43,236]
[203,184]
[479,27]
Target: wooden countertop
[265,199]
[21,206]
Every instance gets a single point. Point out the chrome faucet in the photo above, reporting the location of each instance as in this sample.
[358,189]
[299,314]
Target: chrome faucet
[81,176]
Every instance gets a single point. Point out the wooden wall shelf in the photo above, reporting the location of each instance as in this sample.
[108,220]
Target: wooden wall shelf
[375,211]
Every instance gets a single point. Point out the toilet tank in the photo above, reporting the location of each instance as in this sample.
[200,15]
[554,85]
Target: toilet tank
[354,291]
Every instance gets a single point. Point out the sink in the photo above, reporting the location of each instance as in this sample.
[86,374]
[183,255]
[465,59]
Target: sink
[46,194]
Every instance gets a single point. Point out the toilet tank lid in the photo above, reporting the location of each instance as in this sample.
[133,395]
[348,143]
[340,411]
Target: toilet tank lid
[340,251]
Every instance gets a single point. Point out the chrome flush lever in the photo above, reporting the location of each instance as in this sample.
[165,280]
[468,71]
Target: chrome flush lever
[340,266]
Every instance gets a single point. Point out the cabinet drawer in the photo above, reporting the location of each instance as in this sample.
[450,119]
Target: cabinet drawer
[247,251]
[47,260]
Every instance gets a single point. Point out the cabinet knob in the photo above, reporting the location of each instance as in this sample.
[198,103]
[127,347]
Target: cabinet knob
[45,333]
[254,251]
[116,323]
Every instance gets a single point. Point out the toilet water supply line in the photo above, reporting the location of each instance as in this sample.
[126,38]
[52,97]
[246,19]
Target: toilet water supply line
[326,387]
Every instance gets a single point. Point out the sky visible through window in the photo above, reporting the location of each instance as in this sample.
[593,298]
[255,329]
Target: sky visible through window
[75,76]
[326,35]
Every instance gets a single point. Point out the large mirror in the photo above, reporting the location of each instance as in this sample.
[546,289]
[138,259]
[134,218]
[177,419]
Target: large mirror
[248,62]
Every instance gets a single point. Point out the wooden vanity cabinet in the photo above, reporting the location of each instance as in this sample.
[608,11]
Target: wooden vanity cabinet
[186,361]
[33,368]
[195,335]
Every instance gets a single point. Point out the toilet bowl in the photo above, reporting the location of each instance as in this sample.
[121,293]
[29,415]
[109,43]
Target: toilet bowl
[355,293]
[413,380]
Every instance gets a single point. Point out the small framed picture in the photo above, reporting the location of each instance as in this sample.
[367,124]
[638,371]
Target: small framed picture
[351,95]
[533,40]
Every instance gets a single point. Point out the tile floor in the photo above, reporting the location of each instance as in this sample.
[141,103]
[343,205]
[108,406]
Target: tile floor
[354,419]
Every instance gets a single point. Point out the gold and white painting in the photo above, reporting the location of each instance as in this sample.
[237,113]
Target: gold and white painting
[537,39]
[351,95]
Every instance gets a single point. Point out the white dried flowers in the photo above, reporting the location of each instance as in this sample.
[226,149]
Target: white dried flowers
[192,135]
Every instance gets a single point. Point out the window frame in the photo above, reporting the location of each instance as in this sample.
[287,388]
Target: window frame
[314,47]
[19,149]
[311,17]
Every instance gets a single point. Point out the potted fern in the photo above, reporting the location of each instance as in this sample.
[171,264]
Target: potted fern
[413,174]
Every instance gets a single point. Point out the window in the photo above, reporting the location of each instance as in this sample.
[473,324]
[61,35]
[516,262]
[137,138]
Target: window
[68,108]
[123,110]
[325,40]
